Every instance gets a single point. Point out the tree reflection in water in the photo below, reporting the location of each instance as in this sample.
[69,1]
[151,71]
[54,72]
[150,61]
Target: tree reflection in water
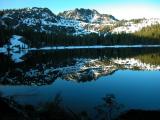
[109,108]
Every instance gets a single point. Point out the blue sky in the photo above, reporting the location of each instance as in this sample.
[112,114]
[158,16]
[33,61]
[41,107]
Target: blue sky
[122,9]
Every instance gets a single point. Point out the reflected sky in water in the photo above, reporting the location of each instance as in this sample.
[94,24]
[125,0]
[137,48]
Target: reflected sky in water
[133,89]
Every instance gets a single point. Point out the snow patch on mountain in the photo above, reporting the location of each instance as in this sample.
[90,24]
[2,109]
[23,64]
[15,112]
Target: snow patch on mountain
[75,22]
[88,16]
[131,27]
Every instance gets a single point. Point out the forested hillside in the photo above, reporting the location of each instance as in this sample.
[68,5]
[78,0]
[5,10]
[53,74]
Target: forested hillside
[152,32]
[40,27]
[148,35]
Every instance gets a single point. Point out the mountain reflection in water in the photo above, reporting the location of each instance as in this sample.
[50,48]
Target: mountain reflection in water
[84,76]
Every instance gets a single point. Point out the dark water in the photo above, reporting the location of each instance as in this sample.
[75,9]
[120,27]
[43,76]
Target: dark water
[134,89]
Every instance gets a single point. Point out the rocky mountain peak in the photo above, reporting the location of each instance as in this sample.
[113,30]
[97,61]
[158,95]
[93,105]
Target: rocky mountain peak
[76,22]
[87,15]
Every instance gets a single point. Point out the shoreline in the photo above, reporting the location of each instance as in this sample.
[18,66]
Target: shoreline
[3,49]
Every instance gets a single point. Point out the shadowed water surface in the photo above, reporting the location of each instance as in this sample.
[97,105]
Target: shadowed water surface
[134,88]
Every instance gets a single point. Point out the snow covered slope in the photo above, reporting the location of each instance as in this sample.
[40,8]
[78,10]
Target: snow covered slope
[75,22]
[88,16]
[43,20]
[131,27]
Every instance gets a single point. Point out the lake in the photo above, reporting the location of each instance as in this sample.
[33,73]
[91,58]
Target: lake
[83,77]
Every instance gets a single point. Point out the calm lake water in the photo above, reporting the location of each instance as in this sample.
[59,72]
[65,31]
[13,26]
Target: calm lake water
[133,88]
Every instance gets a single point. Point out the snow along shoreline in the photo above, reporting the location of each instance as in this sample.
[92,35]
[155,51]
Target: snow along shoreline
[91,47]
[17,53]
[17,48]
[16,43]
[4,49]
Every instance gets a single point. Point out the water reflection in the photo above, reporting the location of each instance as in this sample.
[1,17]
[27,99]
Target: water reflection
[61,54]
[44,67]
[137,89]
[83,77]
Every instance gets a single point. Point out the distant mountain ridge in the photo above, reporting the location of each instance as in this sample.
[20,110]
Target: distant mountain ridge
[88,16]
[75,22]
